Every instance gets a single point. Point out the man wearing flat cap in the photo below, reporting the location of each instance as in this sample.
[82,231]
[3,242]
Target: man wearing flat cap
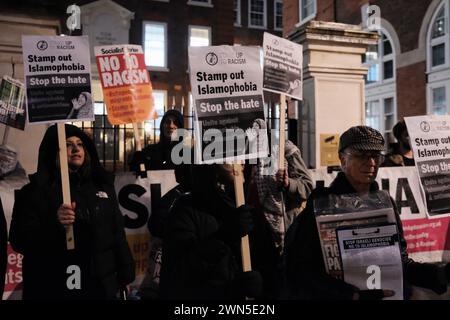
[361,153]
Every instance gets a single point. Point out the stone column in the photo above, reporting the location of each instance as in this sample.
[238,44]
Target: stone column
[333,81]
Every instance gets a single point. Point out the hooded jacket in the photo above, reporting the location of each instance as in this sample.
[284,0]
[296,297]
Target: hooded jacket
[101,250]
[158,156]
[306,274]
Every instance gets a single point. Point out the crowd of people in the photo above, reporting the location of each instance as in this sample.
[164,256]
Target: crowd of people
[197,227]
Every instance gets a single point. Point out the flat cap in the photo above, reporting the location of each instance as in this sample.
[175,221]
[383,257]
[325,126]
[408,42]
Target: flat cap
[362,138]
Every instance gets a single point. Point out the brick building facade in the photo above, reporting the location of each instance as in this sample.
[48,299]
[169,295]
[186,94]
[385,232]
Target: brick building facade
[409,70]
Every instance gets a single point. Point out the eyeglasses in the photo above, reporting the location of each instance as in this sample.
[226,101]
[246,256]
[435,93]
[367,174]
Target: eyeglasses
[377,157]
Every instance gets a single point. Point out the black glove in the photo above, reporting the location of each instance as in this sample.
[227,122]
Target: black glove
[375,294]
[240,222]
[248,284]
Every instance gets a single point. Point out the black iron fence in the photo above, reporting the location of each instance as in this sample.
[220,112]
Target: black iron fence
[115,143]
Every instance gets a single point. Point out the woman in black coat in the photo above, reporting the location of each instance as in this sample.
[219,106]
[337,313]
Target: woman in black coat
[101,262]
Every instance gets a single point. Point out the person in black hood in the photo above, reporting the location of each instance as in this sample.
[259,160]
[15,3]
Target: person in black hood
[101,262]
[158,156]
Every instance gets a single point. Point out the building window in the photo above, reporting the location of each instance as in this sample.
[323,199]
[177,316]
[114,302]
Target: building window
[439,105]
[381,115]
[438,38]
[237,13]
[151,127]
[379,59]
[199,36]
[278,15]
[204,3]
[308,9]
[257,14]
[155,44]
[438,61]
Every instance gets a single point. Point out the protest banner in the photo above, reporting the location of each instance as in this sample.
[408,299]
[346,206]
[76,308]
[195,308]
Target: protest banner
[57,74]
[283,63]
[126,85]
[428,239]
[227,92]
[12,102]
[136,198]
[371,258]
[430,142]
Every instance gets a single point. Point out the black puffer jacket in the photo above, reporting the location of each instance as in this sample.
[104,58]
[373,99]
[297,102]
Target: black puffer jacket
[3,249]
[306,273]
[201,251]
[101,250]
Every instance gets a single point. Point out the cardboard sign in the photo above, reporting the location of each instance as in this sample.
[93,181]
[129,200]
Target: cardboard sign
[329,145]
[283,63]
[229,107]
[127,89]
[58,78]
[12,102]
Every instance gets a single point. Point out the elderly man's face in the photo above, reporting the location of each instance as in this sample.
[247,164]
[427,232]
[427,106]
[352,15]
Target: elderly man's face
[360,167]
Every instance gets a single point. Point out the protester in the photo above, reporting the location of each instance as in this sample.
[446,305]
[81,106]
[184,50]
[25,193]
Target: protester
[37,230]
[277,197]
[400,154]
[81,107]
[158,156]
[3,249]
[201,250]
[360,153]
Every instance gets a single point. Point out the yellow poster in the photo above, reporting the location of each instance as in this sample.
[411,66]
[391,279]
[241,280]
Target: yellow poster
[329,144]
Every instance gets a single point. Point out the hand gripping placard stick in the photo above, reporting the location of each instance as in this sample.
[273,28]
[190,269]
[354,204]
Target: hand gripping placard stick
[70,241]
[137,138]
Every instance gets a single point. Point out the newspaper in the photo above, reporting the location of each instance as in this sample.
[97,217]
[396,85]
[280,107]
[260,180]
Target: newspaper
[371,258]
[337,211]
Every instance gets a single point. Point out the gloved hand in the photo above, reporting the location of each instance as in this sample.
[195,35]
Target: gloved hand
[248,284]
[240,222]
[375,294]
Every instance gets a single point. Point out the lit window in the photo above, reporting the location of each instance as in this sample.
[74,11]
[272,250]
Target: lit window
[439,101]
[206,3]
[152,126]
[155,44]
[257,13]
[379,59]
[381,115]
[199,36]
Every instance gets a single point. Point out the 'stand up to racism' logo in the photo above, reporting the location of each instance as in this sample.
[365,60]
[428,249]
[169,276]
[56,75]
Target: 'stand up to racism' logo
[42,45]
[424,126]
[211,58]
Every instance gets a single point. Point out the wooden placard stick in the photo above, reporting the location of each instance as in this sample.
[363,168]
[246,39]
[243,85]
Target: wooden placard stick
[282,131]
[143,172]
[70,241]
[240,200]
